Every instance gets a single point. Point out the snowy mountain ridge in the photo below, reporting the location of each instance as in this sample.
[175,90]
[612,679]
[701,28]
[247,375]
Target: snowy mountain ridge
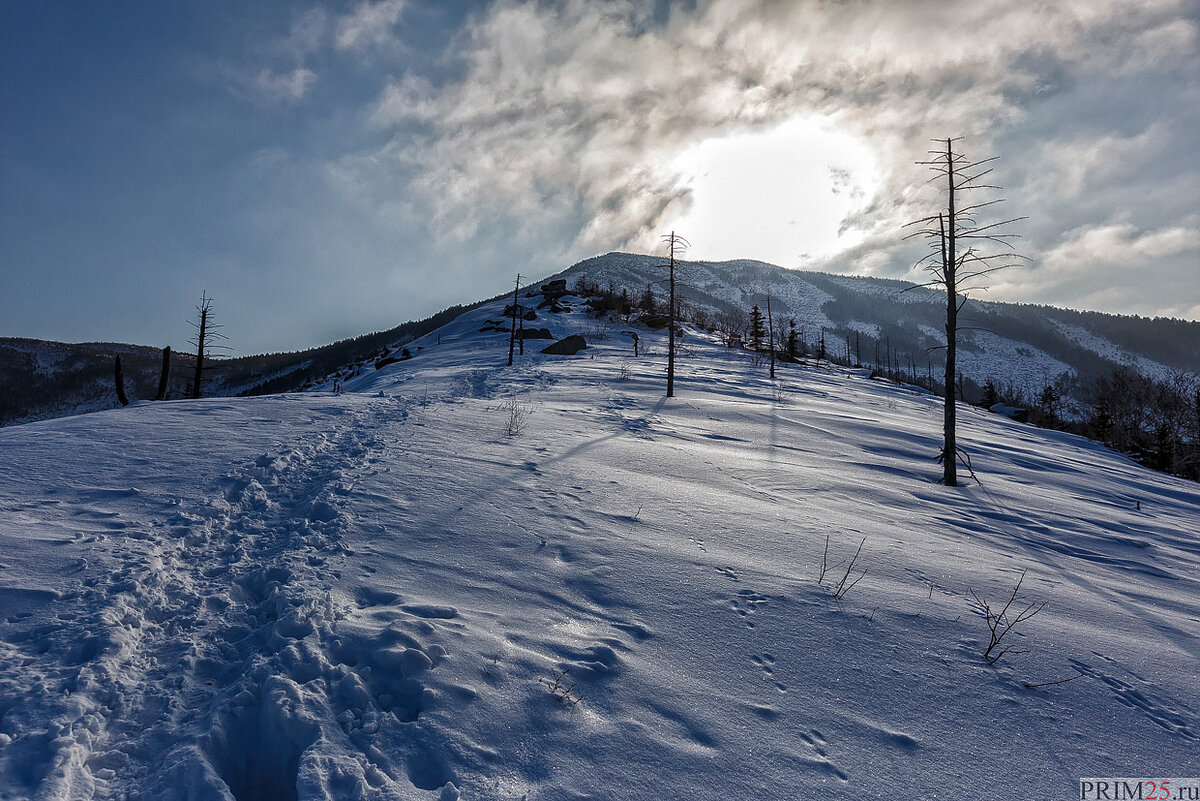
[458,579]
[1026,347]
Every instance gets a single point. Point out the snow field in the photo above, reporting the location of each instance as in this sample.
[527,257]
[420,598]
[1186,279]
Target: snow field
[371,596]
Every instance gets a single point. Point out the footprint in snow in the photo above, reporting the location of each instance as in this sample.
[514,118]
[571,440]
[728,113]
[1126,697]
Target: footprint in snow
[764,661]
[746,604]
[816,741]
[1174,717]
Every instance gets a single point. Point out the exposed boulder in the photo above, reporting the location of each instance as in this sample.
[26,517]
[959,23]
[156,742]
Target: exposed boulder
[524,311]
[405,354]
[552,294]
[568,346]
[552,290]
[534,333]
[656,321]
[1011,412]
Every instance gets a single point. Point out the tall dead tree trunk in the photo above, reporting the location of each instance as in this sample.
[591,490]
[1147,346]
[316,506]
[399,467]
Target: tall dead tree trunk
[954,269]
[949,270]
[771,335]
[676,243]
[201,345]
[206,333]
[165,375]
[512,337]
[119,380]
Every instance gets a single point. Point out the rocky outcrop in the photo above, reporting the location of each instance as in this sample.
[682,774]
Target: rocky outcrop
[568,346]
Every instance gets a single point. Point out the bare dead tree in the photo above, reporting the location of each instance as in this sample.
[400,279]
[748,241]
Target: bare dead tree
[771,334]
[955,268]
[119,379]
[677,245]
[165,375]
[206,333]
[512,337]
[731,324]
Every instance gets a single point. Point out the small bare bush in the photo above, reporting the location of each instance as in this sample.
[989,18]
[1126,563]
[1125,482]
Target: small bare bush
[598,329]
[516,415]
[780,392]
[558,687]
[626,370]
[1003,621]
[846,584]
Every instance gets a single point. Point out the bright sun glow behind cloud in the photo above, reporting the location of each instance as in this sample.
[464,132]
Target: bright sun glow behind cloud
[778,195]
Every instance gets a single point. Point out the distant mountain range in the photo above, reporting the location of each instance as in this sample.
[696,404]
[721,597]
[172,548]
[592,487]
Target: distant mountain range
[1019,347]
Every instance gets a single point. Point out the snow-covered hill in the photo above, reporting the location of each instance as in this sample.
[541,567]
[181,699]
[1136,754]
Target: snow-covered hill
[382,594]
[1019,346]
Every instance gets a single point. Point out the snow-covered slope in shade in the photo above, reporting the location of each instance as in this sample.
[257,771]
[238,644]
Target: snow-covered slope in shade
[383,595]
[1111,351]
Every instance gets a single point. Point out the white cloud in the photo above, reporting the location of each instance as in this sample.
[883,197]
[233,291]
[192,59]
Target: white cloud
[407,100]
[1118,244]
[369,24]
[1106,267]
[558,140]
[306,36]
[284,86]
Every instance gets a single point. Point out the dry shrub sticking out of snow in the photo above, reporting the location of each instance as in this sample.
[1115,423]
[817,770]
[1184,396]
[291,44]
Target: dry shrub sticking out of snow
[516,415]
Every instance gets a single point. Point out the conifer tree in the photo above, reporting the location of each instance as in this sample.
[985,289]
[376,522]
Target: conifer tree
[646,303]
[758,329]
[989,395]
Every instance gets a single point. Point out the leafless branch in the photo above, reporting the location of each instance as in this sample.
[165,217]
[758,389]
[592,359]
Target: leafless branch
[845,585]
[1001,623]
[1078,673]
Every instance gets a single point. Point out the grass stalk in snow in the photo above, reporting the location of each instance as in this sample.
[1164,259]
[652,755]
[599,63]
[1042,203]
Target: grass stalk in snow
[845,585]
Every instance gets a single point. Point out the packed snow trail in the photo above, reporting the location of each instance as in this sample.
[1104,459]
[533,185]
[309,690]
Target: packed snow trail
[206,624]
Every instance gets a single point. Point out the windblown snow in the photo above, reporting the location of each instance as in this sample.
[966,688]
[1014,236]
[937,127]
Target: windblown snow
[548,581]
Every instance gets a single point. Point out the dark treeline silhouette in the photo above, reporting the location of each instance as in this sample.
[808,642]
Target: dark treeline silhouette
[1154,421]
[50,379]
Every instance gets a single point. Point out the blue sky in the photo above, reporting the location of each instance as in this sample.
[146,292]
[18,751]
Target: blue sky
[327,169]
